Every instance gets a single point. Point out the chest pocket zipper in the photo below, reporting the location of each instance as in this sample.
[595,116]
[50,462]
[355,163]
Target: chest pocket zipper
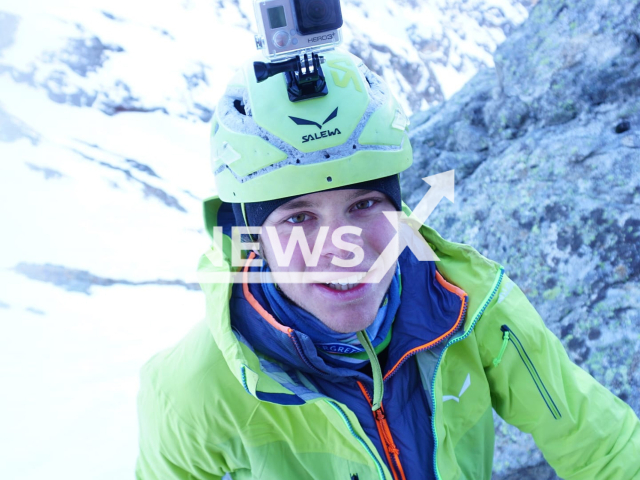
[509,336]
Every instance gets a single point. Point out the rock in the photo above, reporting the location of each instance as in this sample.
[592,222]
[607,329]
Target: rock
[85,55]
[546,149]
[74,280]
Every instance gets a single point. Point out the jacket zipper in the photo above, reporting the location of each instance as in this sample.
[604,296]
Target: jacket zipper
[346,420]
[397,367]
[390,449]
[435,372]
[378,413]
[293,337]
[509,336]
[387,440]
[437,341]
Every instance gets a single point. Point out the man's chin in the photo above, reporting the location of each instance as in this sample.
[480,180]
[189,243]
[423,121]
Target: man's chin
[347,323]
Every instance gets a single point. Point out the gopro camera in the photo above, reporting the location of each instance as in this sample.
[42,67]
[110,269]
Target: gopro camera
[293,27]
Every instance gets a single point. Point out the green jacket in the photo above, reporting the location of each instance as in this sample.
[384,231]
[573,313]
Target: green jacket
[200,416]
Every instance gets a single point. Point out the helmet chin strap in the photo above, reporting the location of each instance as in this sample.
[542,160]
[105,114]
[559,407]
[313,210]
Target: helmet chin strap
[244,217]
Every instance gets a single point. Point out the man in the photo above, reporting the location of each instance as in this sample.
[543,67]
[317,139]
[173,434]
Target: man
[334,360]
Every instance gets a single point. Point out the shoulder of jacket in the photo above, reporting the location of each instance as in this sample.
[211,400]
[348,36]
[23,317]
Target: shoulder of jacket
[192,381]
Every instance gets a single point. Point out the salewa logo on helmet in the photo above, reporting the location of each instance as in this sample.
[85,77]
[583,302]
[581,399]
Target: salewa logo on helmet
[323,134]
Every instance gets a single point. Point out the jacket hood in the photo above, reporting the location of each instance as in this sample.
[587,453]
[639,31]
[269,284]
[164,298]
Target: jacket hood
[273,377]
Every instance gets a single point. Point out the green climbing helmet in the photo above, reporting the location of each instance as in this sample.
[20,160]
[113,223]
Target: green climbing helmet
[264,147]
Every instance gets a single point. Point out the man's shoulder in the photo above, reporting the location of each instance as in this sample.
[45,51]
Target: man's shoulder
[192,380]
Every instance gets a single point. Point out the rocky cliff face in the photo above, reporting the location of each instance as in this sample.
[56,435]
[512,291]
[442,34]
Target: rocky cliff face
[546,148]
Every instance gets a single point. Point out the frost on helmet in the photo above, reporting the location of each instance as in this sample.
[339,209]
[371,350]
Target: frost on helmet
[264,146]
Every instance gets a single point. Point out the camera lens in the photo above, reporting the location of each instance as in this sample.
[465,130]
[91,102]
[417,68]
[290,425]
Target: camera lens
[317,11]
[317,16]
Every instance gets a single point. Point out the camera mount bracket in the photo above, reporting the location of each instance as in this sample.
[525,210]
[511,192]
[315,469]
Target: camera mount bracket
[304,81]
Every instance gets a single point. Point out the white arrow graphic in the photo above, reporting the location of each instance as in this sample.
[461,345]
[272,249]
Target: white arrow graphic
[408,227]
[442,185]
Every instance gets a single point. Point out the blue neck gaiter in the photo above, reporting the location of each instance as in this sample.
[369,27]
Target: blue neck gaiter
[328,342]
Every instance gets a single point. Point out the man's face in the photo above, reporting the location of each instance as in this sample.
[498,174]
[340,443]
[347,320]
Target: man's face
[342,308]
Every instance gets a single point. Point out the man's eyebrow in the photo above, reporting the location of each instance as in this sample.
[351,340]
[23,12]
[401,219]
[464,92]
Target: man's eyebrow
[359,193]
[296,204]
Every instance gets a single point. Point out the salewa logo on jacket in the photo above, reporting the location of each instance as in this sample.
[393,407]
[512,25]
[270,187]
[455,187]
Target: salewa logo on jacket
[323,134]
[465,385]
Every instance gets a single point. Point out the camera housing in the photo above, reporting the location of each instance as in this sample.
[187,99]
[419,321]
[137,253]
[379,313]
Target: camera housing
[294,27]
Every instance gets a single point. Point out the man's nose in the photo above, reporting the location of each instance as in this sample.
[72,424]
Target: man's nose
[341,231]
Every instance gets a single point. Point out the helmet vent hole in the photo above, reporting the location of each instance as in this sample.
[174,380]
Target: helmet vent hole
[329,179]
[239,106]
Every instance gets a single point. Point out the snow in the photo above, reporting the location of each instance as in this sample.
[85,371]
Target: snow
[104,163]
[70,374]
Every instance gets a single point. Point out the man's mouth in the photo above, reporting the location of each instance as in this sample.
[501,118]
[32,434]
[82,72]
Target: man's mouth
[346,283]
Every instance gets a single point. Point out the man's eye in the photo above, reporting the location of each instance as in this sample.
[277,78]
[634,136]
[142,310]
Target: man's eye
[299,218]
[363,204]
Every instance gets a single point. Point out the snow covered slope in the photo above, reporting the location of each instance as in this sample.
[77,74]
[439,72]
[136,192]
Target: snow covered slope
[103,164]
